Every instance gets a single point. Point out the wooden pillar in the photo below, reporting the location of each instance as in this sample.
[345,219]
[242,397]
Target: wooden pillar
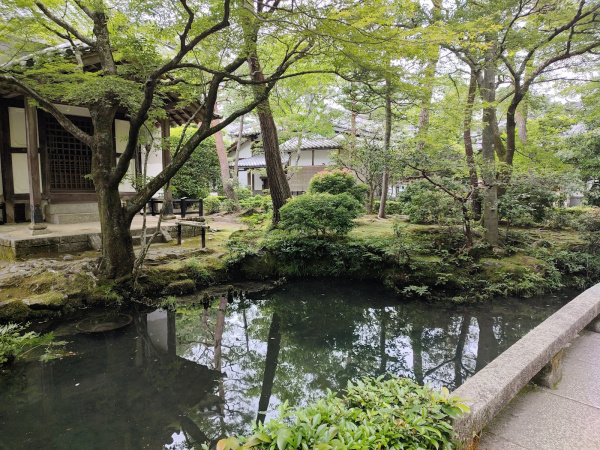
[6,162]
[165,131]
[37,224]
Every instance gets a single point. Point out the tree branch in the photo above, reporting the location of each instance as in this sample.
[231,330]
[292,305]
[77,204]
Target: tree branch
[61,23]
[45,104]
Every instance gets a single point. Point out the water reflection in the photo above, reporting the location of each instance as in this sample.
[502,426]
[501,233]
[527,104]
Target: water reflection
[175,379]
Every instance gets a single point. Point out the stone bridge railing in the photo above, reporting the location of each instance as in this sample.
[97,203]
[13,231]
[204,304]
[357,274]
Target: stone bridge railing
[538,353]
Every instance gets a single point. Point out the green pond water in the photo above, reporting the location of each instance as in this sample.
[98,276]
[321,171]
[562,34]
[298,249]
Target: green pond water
[173,379]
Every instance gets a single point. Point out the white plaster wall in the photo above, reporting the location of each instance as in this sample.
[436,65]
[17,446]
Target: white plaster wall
[16,121]
[20,173]
[242,178]
[245,150]
[258,183]
[322,158]
[121,135]
[305,158]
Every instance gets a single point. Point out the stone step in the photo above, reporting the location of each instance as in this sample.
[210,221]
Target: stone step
[72,208]
[72,218]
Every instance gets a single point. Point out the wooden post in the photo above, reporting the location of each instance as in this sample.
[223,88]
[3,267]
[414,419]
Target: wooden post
[183,207]
[203,234]
[178,234]
[37,225]
[165,132]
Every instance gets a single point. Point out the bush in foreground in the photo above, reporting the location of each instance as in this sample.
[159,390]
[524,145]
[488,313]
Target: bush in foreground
[320,214]
[373,414]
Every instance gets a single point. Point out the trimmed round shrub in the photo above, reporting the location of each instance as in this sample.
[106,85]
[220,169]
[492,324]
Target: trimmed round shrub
[337,181]
[212,204]
[321,214]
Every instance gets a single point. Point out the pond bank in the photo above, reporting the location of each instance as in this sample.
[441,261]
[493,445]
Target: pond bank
[425,262]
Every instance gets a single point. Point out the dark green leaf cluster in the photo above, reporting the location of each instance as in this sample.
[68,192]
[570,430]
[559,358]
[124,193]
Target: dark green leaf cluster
[337,182]
[320,214]
[200,173]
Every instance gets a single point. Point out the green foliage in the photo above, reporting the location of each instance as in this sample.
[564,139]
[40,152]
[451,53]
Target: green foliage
[212,204]
[423,203]
[13,341]
[320,214]
[200,173]
[242,193]
[527,200]
[336,182]
[373,413]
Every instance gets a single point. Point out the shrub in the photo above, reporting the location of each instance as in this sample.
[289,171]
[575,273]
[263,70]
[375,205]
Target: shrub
[267,203]
[320,213]
[242,193]
[255,201]
[212,204]
[374,413]
[527,200]
[423,203]
[337,182]
[228,205]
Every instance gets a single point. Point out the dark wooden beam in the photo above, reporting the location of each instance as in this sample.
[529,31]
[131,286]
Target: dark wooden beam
[33,168]
[8,188]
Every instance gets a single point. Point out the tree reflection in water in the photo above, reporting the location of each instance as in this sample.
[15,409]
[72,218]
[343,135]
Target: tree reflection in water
[174,379]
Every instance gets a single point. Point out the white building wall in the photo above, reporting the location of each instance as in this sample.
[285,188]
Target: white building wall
[322,158]
[18,139]
[16,121]
[245,150]
[121,135]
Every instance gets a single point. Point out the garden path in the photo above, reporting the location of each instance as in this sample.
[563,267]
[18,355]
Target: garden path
[564,418]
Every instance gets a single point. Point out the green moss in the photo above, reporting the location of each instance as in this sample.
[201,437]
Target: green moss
[180,287]
[48,300]
[7,254]
[14,311]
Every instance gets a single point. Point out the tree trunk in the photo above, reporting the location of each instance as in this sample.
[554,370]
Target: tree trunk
[521,118]
[490,199]
[223,163]
[273,346]
[278,185]
[370,200]
[473,178]
[237,149]
[386,146]
[117,245]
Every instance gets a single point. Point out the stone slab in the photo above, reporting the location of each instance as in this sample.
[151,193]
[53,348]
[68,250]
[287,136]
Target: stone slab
[73,247]
[74,238]
[586,347]
[488,391]
[581,381]
[541,420]
[594,326]
[490,441]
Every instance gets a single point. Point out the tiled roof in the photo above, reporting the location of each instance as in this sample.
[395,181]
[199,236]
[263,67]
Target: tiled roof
[310,143]
[252,163]
[256,162]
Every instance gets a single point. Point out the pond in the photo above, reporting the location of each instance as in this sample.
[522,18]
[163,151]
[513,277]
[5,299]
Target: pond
[169,379]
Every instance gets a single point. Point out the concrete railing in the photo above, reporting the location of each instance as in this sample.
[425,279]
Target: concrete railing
[488,391]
